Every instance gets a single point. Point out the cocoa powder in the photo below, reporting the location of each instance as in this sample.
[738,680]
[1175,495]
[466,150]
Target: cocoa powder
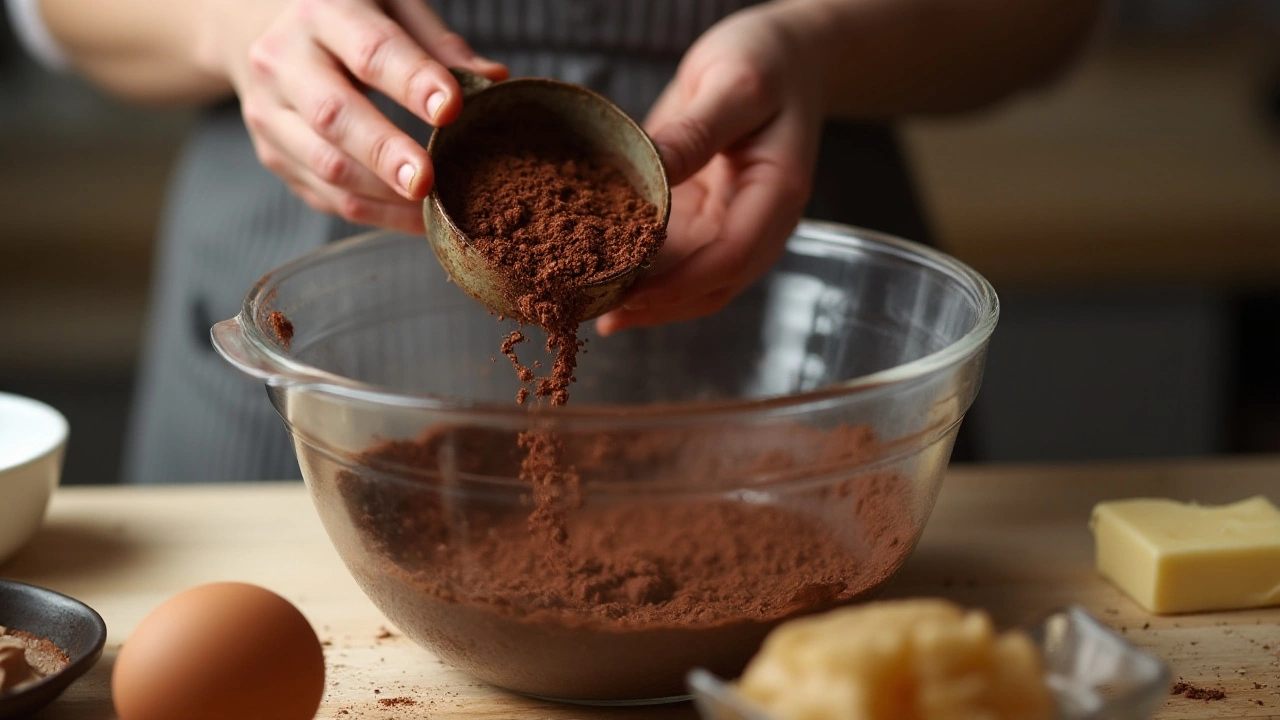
[39,658]
[1195,692]
[642,586]
[549,217]
[281,327]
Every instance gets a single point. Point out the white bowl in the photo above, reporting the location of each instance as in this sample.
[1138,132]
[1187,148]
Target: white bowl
[32,439]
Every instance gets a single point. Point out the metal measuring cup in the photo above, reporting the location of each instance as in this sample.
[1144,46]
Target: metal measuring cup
[598,124]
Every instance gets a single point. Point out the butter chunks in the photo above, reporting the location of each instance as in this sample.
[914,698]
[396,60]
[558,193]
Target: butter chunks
[1174,557]
[898,660]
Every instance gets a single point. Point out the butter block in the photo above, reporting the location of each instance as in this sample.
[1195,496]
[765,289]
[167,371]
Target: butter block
[1174,557]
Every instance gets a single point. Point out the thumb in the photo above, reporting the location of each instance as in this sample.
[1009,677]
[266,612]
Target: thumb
[727,105]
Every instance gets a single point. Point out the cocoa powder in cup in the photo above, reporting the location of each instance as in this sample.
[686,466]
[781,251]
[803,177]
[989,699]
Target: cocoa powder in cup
[26,658]
[550,217]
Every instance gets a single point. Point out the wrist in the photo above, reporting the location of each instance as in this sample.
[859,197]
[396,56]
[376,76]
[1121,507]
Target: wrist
[224,31]
[813,32]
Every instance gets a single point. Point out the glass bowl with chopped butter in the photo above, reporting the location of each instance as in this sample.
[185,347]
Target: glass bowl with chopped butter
[929,660]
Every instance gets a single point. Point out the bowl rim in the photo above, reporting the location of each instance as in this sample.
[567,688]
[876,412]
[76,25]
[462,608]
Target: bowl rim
[60,429]
[285,371]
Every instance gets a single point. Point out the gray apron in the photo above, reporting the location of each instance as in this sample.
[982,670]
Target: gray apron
[228,220]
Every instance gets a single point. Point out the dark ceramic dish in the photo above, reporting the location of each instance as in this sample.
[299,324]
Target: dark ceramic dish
[70,624]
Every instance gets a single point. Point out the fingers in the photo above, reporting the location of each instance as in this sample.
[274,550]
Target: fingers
[381,54]
[332,199]
[338,113]
[358,209]
[667,104]
[302,95]
[771,189]
[450,48]
[728,103]
[290,142]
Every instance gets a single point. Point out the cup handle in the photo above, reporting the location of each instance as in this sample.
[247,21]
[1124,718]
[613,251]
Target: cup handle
[471,83]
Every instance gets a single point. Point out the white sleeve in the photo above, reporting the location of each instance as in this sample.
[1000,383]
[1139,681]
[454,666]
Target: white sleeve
[29,25]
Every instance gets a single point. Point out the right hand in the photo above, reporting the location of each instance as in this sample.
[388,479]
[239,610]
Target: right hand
[295,69]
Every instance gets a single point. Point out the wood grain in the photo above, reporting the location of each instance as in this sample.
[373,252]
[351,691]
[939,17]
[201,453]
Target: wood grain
[1012,540]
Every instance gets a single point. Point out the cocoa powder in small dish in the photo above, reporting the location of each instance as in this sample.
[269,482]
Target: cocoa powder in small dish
[26,658]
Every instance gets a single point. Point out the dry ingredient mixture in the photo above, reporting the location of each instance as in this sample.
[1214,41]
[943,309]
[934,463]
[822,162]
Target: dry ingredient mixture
[26,658]
[640,590]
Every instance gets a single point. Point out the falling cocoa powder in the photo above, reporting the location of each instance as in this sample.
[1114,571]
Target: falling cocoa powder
[549,218]
[645,584]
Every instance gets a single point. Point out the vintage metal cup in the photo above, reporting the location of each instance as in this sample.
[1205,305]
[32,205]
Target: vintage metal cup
[594,122]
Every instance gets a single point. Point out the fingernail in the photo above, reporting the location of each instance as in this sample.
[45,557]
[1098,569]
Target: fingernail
[434,103]
[634,306]
[405,176]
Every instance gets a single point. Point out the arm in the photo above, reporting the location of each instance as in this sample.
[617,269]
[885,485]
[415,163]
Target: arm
[886,58]
[149,50]
[300,69]
[739,125]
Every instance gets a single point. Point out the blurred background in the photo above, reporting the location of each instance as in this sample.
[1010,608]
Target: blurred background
[1129,216]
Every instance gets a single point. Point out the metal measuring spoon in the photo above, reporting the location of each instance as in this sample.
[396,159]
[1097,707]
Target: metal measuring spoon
[595,122]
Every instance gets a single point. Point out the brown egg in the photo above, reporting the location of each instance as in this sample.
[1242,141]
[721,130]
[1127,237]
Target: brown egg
[224,650]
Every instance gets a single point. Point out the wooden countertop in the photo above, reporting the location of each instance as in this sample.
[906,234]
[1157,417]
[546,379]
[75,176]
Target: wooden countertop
[1012,540]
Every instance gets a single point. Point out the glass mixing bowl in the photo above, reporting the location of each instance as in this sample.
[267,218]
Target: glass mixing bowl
[713,478]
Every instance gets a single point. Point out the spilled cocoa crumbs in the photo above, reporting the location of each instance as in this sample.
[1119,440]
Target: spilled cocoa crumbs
[1194,692]
[281,327]
[641,588]
[397,702]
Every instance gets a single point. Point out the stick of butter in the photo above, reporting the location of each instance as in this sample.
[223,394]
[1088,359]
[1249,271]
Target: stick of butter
[1173,557]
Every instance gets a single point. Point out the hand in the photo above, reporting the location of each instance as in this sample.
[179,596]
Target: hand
[295,66]
[738,129]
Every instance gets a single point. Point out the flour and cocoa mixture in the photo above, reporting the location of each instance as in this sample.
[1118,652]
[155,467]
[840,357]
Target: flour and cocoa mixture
[641,588]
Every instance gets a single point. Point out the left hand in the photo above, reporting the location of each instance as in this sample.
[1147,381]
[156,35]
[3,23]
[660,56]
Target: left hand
[738,129]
